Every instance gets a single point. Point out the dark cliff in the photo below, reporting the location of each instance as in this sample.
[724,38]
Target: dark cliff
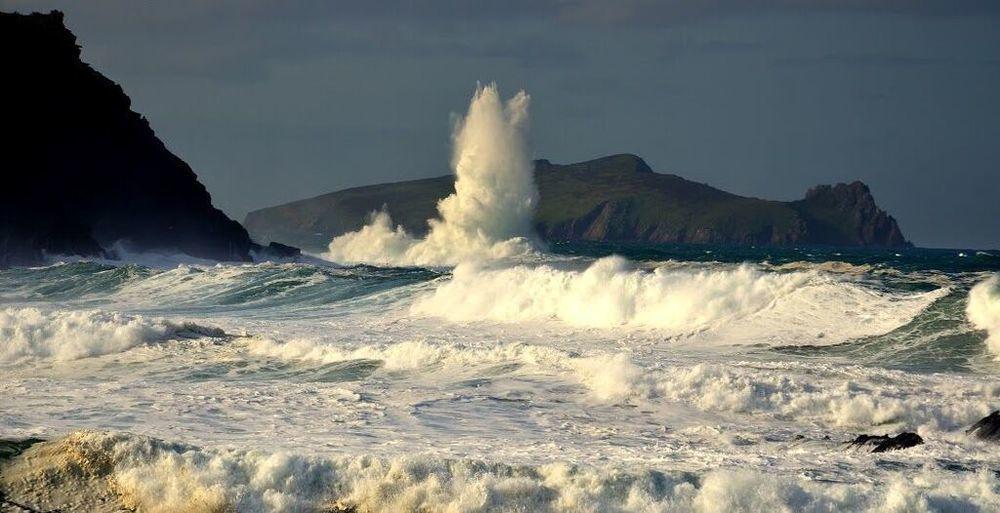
[616,198]
[81,171]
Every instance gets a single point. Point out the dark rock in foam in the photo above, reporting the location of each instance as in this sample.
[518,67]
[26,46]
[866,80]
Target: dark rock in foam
[988,428]
[885,443]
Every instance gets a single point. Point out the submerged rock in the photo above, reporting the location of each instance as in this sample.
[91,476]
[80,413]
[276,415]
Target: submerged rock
[885,443]
[988,427]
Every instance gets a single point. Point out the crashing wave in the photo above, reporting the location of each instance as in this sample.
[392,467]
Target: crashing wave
[61,335]
[489,216]
[984,311]
[736,304]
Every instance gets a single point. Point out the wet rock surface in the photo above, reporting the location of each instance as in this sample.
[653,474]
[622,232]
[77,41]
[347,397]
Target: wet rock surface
[886,443]
[987,428]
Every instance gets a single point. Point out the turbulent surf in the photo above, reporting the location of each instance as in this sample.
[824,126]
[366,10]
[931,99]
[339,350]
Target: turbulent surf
[578,382]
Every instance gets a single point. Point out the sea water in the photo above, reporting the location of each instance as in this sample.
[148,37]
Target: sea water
[585,378]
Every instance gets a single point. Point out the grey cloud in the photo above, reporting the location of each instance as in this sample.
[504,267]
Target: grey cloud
[673,12]
[860,59]
[277,101]
[880,61]
[199,14]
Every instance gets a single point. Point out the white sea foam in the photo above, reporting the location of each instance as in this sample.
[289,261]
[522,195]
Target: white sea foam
[401,356]
[843,396]
[490,213]
[610,377]
[411,355]
[31,333]
[154,476]
[984,311]
[739,304]
[833,266]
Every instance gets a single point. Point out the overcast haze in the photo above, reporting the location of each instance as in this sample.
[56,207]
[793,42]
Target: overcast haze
[271,102]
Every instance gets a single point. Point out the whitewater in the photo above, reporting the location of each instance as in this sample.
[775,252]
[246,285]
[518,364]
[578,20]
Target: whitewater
[479,370]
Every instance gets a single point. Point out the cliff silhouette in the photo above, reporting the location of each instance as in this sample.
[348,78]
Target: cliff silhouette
[83,172]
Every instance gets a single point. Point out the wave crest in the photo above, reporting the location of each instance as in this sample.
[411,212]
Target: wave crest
[983,310]
[740,304]
[30,333]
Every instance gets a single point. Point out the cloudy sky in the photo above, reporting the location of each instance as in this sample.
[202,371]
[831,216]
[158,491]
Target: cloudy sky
[276,101]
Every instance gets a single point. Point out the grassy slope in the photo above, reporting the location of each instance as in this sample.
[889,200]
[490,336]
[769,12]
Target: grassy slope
[655,207]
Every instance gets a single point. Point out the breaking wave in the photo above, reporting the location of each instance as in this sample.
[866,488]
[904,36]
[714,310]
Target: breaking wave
[984,311]
[736,304]
[30,333]
[155,476]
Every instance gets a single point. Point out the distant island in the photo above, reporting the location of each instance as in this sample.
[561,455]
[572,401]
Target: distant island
[83,173]
[618,198]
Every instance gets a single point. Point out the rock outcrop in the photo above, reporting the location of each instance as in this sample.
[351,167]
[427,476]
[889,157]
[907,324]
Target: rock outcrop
[616,199]
[81,171]
[846,215]
[886,443]
[987,428]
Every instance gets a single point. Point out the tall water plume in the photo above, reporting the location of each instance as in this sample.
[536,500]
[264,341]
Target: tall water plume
[490,213]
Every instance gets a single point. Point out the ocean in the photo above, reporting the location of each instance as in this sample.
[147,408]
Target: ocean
[582,378]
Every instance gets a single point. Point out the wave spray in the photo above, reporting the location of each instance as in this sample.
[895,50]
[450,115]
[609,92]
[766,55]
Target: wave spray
[983,310]
[489,216]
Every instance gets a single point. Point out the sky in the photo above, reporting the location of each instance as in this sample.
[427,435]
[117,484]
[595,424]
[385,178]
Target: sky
[271,102]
